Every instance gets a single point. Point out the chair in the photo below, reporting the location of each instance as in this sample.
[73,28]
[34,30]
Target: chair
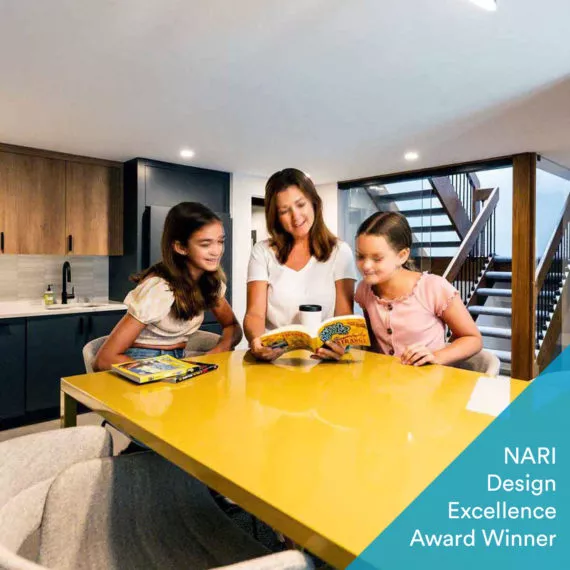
[90,351]
[484,361]
[140,511]
[28,466]
[200,342]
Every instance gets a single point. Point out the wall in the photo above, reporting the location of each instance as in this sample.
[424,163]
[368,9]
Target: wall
[25,277]
[243,188]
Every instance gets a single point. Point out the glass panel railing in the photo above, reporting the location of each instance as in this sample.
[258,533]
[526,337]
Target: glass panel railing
[553,259]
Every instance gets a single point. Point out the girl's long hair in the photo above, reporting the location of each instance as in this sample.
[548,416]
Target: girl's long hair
[190,297]
[321,240]
[394,228]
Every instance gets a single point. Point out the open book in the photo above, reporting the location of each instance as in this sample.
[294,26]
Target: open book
[164,367]
[345,330]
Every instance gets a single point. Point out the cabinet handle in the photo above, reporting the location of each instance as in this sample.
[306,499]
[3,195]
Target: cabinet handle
[70,242]
[81,326]
[2,242]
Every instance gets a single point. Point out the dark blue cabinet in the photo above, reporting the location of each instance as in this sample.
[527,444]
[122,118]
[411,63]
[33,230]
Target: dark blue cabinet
[101,324]
[12,367]
[54,349]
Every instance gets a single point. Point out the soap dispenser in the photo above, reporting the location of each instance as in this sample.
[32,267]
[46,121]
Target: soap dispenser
[49,296]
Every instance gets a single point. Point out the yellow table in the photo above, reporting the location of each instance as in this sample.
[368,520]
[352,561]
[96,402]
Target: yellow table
[327,453]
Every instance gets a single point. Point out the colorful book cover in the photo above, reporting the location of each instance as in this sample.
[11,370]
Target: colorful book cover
[347,330]
[164,367]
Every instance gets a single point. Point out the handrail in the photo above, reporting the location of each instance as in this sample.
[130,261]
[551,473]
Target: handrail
[548,256]
[452,204]
[472,235]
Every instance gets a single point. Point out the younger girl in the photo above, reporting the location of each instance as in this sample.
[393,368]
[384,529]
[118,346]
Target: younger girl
[406,310]
[167,306]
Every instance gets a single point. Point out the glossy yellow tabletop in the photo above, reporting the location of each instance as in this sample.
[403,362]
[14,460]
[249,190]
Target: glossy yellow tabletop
[327,453]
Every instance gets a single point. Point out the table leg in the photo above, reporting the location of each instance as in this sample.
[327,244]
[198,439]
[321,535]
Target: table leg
[68,410]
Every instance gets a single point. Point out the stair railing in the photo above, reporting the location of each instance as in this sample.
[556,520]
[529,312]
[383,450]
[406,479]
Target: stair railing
[476,251]
[550,279]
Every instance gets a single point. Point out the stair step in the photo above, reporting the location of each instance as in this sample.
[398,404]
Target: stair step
[428,244]
[495,311]
[495,332]
[431,229]
[405,196]
[503,355]
[499,311]
[486,292]
[423,212]
[499,275]
[503,259]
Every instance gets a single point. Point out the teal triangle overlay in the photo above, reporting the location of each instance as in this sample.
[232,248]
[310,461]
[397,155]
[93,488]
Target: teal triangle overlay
[539,417]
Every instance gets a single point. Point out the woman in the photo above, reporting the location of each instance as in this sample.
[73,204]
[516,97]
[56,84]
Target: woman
[301,263]
[166,308]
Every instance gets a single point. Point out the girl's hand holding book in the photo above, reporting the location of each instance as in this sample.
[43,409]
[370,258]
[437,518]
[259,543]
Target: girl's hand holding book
[418,355]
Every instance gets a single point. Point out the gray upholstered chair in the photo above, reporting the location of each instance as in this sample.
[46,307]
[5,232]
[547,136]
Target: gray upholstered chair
[484,361]
[138,511]
[28,466]
[200,342]
[90,351]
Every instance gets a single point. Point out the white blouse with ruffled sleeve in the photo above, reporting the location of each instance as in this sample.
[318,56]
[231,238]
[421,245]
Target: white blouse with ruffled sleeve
[151,302]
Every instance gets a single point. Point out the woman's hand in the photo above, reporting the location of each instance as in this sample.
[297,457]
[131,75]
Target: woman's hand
[329,351]
[264,352]
[417,355]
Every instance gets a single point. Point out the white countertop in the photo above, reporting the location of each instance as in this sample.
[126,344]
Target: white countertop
[33,308]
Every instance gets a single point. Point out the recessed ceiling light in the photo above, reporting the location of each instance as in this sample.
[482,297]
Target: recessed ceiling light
[187,153]
[490,5]
[412,155]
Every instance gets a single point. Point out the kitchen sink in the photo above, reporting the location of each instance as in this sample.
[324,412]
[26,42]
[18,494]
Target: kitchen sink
[60,307]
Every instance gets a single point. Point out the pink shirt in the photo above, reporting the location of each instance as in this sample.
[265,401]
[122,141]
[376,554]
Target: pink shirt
[412,318]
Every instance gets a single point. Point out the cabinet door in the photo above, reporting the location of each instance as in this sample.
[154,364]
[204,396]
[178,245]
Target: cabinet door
[12,367]
[94,209]
[212,327]
[54,350]
[32,193]
[101,324]
[169,186]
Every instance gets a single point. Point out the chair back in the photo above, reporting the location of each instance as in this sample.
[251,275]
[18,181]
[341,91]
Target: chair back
[484,361]
[90,351]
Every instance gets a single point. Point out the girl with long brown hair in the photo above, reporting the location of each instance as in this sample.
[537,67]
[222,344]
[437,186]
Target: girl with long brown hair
[301,263]
[407,311]
[166,308]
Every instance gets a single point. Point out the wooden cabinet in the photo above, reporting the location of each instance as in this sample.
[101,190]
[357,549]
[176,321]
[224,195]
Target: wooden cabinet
[58,204]
[12,367]
[94,209]
[32,196]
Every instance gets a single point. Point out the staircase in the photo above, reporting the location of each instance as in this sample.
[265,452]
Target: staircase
[453,225]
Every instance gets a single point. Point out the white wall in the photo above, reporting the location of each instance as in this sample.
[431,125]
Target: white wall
[243,188]
[329,194]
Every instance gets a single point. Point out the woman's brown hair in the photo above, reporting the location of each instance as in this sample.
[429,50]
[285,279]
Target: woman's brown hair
[321,239]
[190,297]
[394,228]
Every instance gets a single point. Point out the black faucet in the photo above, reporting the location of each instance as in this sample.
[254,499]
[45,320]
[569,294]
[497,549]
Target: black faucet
[66,275]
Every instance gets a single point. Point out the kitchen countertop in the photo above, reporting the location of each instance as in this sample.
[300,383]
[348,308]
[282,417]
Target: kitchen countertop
[35,308]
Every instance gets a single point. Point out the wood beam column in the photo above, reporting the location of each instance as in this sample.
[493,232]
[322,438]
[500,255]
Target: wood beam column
[523,361]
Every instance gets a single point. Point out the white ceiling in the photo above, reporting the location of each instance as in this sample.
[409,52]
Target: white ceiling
[338,88]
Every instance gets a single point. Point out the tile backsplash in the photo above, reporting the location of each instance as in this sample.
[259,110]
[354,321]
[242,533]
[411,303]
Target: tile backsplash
[25,277]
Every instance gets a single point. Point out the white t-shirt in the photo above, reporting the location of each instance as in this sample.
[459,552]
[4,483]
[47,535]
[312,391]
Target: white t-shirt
[287,288]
